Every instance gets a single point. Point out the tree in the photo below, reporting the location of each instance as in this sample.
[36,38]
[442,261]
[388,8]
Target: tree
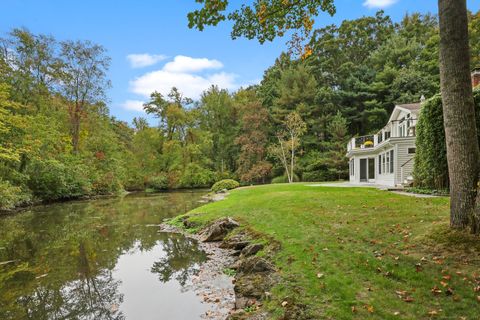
[463,154]
[170,110]
[252,139]
[263,20]
[83,80]
[336,159]
[218,115]
[288,142]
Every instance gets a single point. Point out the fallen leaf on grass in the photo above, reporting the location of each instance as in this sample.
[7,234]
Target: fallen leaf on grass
[408,299]
[449,291]
[443,283]
[435,290]
[433,313]
[401,294]
[354,309]
[284,304]
[320,275]
[369,308]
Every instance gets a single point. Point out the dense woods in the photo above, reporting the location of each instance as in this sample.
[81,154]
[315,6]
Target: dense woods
[58,140]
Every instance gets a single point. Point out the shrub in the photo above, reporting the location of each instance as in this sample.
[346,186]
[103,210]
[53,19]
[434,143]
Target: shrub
[12,196]
[158,182]
[431,168]
[320,175]
[284,179]
[196,176]
[227,184]
[52,180]
[106,183]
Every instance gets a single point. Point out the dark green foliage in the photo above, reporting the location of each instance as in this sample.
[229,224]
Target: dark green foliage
[226,184]
[431,167]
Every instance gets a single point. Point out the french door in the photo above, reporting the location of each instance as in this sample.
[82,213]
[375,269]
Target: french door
[367,170]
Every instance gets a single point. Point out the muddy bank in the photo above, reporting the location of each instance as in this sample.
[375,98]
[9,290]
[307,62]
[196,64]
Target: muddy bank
[233,251]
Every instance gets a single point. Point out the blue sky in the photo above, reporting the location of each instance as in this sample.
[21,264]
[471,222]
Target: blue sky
[152,47]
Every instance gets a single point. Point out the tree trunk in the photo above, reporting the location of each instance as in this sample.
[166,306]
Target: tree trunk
[458,112]
[284,159]
[75,128]
[292,160]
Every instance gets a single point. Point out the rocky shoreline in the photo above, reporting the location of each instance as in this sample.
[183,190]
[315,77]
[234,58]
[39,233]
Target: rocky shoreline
[240,294]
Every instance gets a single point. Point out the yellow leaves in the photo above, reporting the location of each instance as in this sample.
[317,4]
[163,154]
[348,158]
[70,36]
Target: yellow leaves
[308,23]
[262,14]
[307,52]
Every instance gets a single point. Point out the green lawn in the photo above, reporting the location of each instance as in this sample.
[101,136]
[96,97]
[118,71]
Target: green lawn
[366,243]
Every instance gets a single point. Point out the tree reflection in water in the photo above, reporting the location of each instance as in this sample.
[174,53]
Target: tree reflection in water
[58,261]
[182,259]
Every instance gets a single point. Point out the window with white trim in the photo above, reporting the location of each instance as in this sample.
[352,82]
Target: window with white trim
[387,162]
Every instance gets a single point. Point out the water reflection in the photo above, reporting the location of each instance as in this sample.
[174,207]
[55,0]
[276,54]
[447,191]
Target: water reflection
[102,259]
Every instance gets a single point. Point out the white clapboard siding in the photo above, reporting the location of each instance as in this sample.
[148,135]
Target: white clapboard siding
[402,158]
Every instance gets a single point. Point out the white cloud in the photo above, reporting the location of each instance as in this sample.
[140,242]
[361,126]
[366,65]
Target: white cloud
[144,59]
[190,85]
[189,64]
[184,73]
[133,105]
[378,3]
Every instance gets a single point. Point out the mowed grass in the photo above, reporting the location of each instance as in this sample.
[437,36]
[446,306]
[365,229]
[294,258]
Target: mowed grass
[359,253]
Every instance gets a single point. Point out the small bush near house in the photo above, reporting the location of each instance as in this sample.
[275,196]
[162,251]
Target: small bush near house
[225,184]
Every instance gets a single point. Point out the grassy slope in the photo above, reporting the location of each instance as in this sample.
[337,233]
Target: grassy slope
[366,242]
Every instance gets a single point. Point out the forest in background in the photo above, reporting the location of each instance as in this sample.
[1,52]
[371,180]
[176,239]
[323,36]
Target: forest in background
[58,140]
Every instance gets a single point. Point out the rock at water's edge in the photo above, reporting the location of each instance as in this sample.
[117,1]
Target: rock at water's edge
[218,230]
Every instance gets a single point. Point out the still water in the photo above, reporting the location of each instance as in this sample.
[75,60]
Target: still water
[100,259]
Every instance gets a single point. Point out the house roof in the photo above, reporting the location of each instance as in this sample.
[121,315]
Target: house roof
[413,108]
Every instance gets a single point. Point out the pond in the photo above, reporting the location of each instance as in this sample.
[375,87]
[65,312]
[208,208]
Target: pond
[100,259]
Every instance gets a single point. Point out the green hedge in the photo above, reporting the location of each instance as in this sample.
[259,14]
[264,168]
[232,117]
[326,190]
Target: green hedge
[227,184]
[431,168]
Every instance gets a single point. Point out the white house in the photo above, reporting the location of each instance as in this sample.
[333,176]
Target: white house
[386,158]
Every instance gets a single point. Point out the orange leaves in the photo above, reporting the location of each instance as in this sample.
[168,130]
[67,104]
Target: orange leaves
[307,52]
[369,308]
